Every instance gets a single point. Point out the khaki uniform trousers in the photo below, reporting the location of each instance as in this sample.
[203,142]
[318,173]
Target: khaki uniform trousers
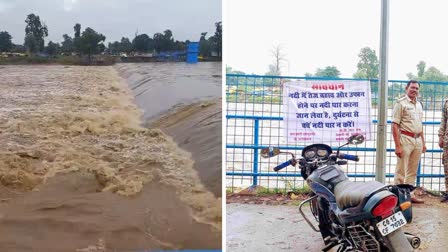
[406,171]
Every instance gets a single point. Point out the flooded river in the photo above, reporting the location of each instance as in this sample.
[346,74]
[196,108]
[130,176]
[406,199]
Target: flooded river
[184,101]
[158,87]
[79,172]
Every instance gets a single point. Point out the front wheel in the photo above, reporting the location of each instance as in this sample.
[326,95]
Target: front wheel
[321,210]
[397,242]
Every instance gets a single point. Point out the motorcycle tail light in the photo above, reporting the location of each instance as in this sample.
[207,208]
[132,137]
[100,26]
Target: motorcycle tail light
[385,207]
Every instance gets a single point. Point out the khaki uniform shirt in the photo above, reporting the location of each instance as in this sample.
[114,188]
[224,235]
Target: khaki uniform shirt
[408,114]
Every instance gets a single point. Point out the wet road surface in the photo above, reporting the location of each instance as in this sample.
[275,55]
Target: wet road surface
[281,228]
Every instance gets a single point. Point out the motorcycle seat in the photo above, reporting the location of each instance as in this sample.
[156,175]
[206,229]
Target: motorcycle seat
[350,194]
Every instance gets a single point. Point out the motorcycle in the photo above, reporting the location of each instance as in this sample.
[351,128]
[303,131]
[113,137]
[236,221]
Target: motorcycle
[351,216]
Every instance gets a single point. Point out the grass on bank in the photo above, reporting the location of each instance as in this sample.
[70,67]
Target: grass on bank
[61,60]
[98,60]
[263,191]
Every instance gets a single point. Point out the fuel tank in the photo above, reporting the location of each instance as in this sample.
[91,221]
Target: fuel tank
[324,179]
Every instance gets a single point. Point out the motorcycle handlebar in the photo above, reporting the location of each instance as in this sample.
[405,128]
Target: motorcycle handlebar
[349,157]
[282,165]
[341,162]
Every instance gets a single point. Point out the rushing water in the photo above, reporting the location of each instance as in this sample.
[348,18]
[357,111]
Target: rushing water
[196,127]
[77,166]
[158,87]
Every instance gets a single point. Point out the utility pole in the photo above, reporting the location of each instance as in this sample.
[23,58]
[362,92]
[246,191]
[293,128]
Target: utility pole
[381,137]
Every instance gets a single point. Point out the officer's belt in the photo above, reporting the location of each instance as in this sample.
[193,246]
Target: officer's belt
[407,133]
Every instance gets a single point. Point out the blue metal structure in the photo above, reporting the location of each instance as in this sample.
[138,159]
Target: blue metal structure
[171,56]
[190,55]
[192,52]
[254,121]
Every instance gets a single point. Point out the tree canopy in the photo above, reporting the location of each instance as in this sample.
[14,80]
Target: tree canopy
[142,43]
[229,70]
[204,45]
[77,29]
[124,45]
[218,38]
[163,42]
[91,42]
[77,39]
[35,32]
[212,45]
[368,65]
[53,48]
[430,74]
[279,58]
[329,72]
[67,46]
[5,41]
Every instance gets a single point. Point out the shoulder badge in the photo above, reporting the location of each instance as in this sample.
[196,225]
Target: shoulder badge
[401,98]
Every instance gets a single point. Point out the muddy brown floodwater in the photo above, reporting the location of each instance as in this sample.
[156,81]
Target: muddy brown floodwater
[189,110]
[78,172]
[159,87]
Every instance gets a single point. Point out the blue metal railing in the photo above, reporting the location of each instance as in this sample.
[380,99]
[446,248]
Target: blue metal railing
[255,174]
[249,100]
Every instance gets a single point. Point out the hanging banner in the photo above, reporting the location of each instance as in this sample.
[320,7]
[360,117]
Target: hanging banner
[321,111]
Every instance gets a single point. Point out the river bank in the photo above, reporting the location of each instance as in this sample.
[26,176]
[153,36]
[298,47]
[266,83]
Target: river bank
[97,60]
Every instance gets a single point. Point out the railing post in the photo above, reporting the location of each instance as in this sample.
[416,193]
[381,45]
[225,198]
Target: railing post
[255,170]
[419,172]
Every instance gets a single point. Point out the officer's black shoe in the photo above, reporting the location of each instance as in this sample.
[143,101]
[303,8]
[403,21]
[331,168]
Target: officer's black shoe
[444,198]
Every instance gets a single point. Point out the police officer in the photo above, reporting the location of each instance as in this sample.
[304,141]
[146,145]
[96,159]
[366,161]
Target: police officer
[443,143]
[407,131]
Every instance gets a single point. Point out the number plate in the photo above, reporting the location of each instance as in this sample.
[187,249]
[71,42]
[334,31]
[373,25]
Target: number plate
[391,223]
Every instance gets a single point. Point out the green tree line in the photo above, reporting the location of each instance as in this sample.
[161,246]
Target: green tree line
[367,68]
[90,42]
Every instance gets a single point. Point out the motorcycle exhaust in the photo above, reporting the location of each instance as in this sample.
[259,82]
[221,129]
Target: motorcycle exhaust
[413,240]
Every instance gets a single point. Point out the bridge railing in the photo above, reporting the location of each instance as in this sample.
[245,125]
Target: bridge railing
[254,121]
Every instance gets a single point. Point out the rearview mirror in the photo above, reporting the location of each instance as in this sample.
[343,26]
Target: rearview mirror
[356,139]
[269,152]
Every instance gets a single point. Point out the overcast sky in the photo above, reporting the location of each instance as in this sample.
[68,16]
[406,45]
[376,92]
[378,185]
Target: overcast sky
[319,33]
[113,18]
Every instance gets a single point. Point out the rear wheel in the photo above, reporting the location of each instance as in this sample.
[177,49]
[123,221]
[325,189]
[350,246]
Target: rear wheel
[397,242]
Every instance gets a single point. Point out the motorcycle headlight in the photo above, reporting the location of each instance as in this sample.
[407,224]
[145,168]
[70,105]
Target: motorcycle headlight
[310,154]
